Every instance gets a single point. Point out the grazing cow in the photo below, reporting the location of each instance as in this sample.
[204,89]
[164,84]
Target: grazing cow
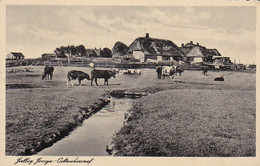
[179,70]
[159,72]
[168,71]
[74,74]
[219,78]
[205,70]
[48,71]
[106,74]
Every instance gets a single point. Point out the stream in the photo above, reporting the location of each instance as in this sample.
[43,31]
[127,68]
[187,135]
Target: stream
[96,132]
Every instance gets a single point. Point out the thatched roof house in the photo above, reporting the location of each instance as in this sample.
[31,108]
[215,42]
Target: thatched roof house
[197,53]
[15,55]
[144,48]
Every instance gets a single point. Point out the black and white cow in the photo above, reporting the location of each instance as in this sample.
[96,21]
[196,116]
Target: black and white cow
[74,74]
[168,71]
[48,71]
[106,74]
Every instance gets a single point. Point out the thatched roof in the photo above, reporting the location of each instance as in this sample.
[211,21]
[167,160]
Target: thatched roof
[214,52]
[153,46]
[197,51]
[191,49]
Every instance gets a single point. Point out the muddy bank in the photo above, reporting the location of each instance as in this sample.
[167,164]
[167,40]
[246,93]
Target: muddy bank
[49,140]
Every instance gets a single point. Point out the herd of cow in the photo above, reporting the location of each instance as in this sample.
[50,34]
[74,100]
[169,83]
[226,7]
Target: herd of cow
[162,72]
[75,74]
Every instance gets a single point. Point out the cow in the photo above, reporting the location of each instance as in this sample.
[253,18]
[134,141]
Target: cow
[106,74]
[168,71]
[48,71]
[205,70]
[74,74]
[159,72]
[179,69]
[219,78]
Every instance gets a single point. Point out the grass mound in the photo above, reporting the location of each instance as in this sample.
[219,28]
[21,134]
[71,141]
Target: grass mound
[176,123]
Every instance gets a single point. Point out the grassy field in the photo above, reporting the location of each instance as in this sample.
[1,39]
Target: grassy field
[195,118]
[36,110]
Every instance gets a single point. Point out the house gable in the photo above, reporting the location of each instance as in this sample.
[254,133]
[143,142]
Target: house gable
[15,55]
[195,52]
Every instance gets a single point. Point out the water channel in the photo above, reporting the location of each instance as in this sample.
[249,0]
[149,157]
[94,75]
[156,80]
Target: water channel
[96,132]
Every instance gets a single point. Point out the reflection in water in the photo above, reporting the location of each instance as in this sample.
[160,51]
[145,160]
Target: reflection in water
[91,138]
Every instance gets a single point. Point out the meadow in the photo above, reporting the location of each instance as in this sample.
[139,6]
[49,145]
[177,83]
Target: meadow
[193,116]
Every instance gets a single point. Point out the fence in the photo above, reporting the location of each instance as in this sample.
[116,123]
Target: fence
[18,62]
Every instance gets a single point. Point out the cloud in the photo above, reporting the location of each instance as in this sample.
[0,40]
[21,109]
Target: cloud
[94,24]
[46,28]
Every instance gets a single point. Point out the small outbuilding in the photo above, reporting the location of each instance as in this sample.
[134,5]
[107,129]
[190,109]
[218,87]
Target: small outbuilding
[15,55]
[221,60]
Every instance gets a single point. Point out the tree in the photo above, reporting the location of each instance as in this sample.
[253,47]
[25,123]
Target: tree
[106,52]
[70,51]
[120,48]
[81,50]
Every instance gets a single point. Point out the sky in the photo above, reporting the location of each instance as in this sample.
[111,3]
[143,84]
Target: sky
[34,30]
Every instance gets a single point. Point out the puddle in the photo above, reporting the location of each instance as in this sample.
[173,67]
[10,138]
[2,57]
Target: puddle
[96,132]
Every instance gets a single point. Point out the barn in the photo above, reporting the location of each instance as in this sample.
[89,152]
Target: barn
[153,49]
[15,55]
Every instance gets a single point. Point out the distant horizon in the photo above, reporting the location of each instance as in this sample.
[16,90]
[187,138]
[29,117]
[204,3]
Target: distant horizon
[35,30]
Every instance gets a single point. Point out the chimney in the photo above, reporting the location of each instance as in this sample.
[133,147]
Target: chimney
[182,44]
[198,44]
[191,42]
[147,35]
